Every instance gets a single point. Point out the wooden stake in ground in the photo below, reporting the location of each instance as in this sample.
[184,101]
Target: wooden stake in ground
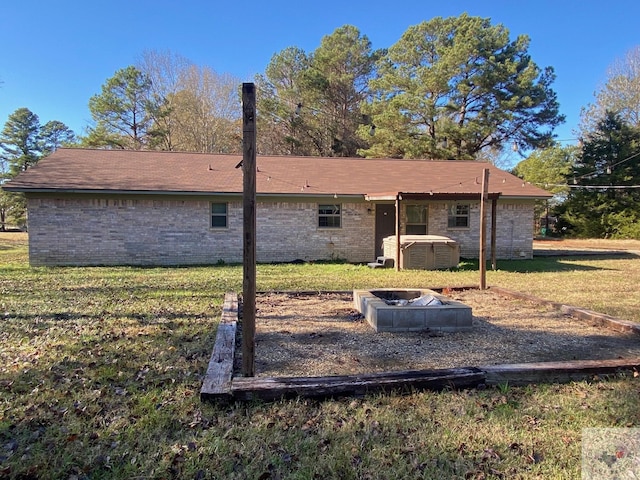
[249,228]
[483,229]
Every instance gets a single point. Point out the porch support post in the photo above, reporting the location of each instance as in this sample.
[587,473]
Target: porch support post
[483,229]
[397,262]
[494,214]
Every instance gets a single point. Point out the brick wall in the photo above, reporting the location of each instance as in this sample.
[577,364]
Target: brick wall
[514,228]
[143,231]
[158,231]
[289,231]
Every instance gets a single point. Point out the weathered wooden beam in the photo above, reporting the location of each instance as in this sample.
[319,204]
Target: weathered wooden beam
[556,372]
[274,388]
[524,296]
[249,171]
[217,381]
[601,319]
[220,385]
[596,318]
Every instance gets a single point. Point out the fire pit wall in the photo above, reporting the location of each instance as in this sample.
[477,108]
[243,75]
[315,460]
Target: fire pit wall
[450,316]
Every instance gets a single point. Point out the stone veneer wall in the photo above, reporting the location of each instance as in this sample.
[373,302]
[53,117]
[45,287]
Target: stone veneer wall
[160,231]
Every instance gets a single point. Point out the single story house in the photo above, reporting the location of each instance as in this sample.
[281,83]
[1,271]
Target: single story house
[116,207]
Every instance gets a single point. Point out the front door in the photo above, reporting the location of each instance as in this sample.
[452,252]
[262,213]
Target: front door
[385,224]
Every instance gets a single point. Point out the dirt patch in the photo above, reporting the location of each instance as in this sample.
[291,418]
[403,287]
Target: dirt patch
[310,335]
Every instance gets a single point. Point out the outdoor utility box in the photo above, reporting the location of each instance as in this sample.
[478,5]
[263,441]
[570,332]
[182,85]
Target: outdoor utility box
[423,252]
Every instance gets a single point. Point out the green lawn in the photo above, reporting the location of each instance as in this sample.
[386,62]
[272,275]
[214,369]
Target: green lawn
[100,372]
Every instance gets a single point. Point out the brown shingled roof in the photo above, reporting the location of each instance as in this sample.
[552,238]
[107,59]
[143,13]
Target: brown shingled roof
[82,170]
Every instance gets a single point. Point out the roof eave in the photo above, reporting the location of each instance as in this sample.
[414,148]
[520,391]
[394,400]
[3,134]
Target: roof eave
[87,191]
[527,197]
[429,196]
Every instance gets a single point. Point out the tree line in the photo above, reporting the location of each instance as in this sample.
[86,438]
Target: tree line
[24,141]
[455,87]
[596,183]
[449,88]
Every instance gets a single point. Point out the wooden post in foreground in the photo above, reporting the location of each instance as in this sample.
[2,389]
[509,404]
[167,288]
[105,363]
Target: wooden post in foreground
[248,228]
[483,229]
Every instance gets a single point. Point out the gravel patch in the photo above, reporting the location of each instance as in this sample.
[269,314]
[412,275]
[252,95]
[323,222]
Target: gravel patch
[323,334]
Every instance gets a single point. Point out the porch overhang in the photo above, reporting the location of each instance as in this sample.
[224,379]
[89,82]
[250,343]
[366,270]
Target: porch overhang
[399,197]
[436,196]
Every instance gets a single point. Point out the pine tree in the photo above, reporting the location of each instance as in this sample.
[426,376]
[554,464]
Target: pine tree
[455,88]
[23,142]
[601,203]
[124,112]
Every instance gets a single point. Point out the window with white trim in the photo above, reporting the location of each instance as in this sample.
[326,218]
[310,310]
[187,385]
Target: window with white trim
[458,215]
[219,215]
[329,216]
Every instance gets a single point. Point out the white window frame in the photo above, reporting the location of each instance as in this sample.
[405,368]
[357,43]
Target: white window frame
[330,218]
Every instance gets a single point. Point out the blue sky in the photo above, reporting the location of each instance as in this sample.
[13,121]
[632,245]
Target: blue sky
[56,55]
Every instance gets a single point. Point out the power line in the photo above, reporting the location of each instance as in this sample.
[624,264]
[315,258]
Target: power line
[610,166]
[589,187]
[604,187]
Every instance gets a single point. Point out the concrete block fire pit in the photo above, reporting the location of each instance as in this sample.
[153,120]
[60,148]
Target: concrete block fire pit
[393,310]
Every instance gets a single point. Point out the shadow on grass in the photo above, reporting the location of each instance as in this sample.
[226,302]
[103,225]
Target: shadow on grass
[544,264]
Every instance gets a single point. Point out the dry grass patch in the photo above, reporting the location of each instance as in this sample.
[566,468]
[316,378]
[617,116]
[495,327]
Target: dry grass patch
[100,370]
[589,243]
[13,238]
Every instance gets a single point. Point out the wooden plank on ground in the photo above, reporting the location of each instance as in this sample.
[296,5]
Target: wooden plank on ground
[524,296]
[601,319]
[596,318]
[217,382]
[556,372]
[274,388]
[220,385]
